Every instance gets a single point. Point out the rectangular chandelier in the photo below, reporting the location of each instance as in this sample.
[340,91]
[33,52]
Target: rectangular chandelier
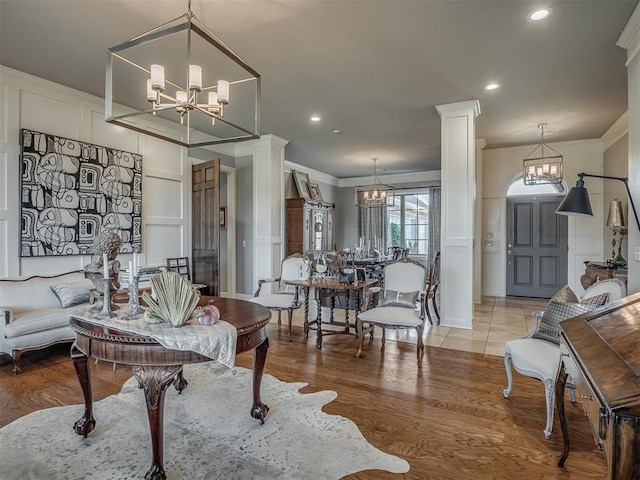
[375,194]
[179,82]
[540,167]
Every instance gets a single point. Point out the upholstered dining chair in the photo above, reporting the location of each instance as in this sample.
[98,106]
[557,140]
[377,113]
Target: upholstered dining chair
[401,304]
[538,353]
[287,297]
[432,288]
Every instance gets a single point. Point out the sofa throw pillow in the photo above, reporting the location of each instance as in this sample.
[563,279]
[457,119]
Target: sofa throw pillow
[399,299]
[565,295]
[556,311]
[73,293]
[597,300]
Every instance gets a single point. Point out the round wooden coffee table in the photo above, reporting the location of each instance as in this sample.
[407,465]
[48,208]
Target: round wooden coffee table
[156,367]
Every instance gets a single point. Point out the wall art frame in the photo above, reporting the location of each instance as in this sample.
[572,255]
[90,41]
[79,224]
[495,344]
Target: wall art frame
[72,190]
[302,184]
[314,190]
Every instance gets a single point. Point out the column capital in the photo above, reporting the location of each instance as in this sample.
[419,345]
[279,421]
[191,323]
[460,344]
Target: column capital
[451,109]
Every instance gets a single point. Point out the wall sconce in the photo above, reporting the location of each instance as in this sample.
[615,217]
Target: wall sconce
[577,200]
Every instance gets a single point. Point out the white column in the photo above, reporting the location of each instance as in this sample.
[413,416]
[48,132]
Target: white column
[457,220]
[630,40]
[477,234]
[268,205]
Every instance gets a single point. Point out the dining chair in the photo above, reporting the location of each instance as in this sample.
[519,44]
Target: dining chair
[401,304]
[287,297]
[538,354]
[432,289]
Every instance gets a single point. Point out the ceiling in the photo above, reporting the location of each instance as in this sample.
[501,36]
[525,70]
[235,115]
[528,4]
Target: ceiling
[374,69]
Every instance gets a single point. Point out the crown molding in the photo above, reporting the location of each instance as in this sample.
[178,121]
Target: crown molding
[630,37]
[616,131]
[313,174]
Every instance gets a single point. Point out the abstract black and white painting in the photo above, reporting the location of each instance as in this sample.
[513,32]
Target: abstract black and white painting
[73,190]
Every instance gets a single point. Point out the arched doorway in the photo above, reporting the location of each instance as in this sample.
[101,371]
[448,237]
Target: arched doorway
[536,240]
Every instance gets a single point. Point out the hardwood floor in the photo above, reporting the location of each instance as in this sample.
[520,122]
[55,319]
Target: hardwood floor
[449,420]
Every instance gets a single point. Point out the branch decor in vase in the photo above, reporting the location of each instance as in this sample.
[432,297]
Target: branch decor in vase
[176,300]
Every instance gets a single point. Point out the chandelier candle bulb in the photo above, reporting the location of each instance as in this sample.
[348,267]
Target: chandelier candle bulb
[152,95]
[195,78]
[223,92]
[157,77]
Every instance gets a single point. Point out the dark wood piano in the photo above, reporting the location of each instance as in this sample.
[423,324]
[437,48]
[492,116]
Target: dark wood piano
[605,345]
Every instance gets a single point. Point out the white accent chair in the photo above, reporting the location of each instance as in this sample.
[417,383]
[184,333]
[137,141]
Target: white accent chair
[287,297]
[401,304]
[540,358]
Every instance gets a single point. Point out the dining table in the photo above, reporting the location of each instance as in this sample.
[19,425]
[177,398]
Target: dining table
[330,288]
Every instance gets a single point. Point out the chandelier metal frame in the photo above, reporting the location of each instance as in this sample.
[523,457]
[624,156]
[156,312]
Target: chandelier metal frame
[187,105]
[540,168]
[375,194]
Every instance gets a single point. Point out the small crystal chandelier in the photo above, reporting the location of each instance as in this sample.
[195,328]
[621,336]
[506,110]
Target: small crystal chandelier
[540,167]
[376,194]
[173,77]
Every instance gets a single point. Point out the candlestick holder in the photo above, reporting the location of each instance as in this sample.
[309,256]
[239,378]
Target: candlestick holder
[134,300]
[106,311]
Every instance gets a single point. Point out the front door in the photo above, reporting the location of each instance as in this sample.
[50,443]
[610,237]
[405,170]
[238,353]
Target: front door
[536,246]
[206,224]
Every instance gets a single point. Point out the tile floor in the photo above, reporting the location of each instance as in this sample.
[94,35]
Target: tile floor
[496,320]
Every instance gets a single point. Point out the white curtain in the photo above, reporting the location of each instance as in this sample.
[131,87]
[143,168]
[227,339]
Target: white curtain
[372,227]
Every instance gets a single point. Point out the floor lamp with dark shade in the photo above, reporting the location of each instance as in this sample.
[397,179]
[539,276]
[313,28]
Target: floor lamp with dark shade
[577,202]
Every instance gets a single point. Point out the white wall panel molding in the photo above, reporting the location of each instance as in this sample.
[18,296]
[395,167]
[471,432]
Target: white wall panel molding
[30,102]
[4,254]
[47,114]
[458,180]
[4,112]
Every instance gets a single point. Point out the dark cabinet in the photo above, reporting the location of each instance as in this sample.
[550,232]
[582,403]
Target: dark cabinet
[309,225]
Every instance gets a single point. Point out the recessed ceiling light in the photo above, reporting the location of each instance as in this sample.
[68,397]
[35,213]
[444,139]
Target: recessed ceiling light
[315,118]
[539,14]
[492,86]
[337,131]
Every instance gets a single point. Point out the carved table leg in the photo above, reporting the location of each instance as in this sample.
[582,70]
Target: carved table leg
[155,380]
[561,382]
[259,410]
[180,382]
[306,312]
[87,423]
[319,318]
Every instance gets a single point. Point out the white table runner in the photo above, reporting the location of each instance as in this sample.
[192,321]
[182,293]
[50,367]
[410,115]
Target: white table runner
[218,341]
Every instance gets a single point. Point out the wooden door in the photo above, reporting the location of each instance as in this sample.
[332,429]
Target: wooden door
[206,224]
[536,246]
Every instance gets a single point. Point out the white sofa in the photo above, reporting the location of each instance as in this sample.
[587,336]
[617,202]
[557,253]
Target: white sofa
[32,316]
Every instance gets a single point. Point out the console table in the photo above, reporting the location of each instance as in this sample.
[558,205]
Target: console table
[156,367]
[605,345]
[594,271]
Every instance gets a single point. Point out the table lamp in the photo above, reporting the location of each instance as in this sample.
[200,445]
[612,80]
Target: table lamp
[615,221]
